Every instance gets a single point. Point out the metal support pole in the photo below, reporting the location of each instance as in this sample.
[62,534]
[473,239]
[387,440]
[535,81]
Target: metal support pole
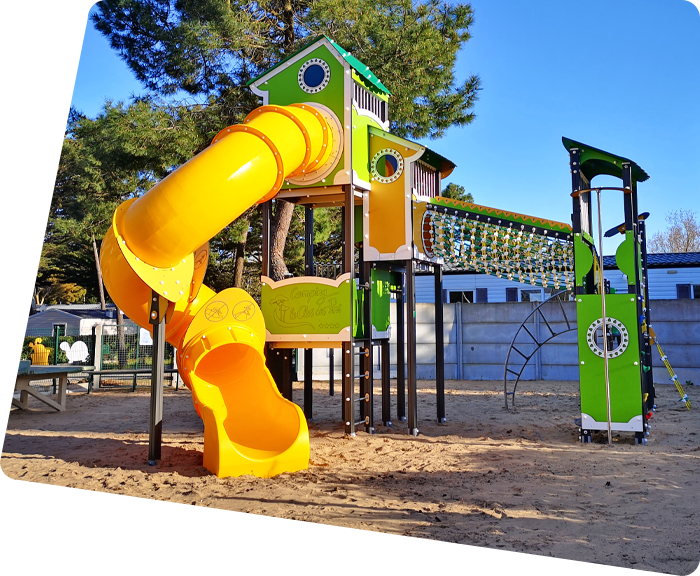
[365,375]
[287,373]
[309,241]
[331,372]
[411,349]
[155,428]
[97,358]
[308,383]
[56,338]
[366,360]
[601,291]
[266,215]
[400,357]
[386,382]
[348,388]
[348,362]
[439,346]
[648,373]
[308,352]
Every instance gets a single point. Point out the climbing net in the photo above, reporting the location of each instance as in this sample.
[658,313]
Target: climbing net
[503,249]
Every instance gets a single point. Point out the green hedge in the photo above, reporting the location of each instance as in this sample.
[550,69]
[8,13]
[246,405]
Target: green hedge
[17,348]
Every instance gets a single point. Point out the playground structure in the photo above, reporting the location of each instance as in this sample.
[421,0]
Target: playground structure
[617,388]
[614,330]
[321,139]
[300,142]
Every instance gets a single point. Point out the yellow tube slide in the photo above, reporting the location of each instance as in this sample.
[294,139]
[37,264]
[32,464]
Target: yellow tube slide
[159,242]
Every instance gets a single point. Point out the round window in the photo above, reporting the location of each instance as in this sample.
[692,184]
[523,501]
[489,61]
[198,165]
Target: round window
[314,75]
[387,166]
[617,337]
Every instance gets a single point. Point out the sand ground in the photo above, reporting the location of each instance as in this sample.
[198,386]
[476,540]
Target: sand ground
[515,480]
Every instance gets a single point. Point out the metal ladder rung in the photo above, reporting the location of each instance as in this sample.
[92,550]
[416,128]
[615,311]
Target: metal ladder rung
[519,352]
[546,323]
[530,334]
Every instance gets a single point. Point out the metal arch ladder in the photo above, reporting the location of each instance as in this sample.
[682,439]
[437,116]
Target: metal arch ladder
[537,312]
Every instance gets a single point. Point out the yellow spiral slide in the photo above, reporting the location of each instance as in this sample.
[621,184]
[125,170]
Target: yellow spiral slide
[159,243]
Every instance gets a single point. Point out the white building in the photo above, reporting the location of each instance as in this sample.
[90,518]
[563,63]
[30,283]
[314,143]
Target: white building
[671,276]
[73,319]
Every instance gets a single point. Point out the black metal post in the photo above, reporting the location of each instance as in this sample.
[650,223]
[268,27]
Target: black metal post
[273,360]
[266,215]
[386,382]
[287,373]
[581,215]
[309,271]
[56,338]
[331,372]
[366,368]
[634,285]
[400,356]
[439,346]
[348,347]
[308,383]
[648,371]
[155,428]
[411,349]
[309,241]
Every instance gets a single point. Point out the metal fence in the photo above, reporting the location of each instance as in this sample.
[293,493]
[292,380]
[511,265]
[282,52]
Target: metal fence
[110,347]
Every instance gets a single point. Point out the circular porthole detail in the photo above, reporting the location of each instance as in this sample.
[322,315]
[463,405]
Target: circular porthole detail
[387,166]
[314,75]
[618,337]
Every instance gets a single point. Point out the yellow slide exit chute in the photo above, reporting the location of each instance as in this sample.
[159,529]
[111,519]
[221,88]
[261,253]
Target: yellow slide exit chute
[159,242]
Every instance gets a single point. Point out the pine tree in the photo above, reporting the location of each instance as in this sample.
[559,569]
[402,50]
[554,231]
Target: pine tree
[456,192]
[204,52]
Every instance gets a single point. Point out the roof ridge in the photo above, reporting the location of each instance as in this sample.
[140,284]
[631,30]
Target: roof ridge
[356,64]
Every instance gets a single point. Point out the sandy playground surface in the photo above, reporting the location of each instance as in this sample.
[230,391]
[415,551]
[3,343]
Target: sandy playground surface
[514,480]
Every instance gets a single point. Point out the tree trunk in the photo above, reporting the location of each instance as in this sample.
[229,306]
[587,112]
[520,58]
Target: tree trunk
[99,274]
[240,260]
[280,229]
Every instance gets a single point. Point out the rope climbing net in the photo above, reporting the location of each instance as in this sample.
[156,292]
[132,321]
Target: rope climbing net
[501,248]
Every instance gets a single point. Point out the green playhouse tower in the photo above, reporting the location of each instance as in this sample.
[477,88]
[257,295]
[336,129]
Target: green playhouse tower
[617,389]
[374,177]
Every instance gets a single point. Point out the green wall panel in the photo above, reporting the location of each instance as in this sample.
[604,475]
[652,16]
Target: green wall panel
[306,308]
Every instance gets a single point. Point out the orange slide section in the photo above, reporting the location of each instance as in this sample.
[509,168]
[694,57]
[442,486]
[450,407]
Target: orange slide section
[159,243]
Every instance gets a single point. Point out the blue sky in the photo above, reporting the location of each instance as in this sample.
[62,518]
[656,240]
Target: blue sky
[620,75]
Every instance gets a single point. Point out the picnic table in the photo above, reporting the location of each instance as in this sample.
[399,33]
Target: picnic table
[26,374]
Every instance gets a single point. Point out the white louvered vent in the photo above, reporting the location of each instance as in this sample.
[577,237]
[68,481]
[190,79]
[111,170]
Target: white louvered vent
[367,101]
[426,180]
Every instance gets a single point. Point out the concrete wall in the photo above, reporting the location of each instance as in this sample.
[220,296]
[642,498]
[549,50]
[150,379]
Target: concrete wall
[477,338]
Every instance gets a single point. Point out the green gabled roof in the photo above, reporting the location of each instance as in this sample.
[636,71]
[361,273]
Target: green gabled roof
[595,161]
[430,157]
[358,66]
[439,162]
